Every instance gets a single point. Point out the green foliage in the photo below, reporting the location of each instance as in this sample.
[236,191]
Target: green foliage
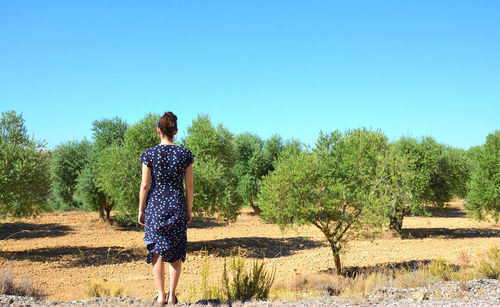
[106,133]
[118,172]
[248,147]
[214,180]
[68,159]
[254,159]
[458,170]
[483,197]
[13,130]
[395,190]
[333,188]
[490,267]
[205,140]
[86,191]
[238,282]
[243,284]
[24,169]
[472,158]
[429,172]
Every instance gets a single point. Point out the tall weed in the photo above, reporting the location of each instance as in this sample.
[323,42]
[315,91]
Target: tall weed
[243,284]
[237,281]
[25,287]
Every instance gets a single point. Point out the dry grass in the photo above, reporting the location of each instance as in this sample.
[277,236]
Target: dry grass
[25,286]
[103,288]
[437,270]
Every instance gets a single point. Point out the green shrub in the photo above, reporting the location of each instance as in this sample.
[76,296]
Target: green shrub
[490,267]
[243,284]
[237,282]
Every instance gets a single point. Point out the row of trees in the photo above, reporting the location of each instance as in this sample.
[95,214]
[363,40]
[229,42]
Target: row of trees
[356,181]
[104,173]
[348,182]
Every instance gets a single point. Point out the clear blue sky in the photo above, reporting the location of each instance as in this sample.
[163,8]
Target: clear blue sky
[288,67]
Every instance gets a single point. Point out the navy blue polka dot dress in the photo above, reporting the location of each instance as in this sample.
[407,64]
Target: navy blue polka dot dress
[166,218]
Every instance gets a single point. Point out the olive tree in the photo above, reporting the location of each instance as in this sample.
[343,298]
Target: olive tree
[254,160]
[483,197]
[248,152]
[396,190]
[24,169]
[106,133]
[334,187]
[67,160]
[118,171]
[434,174]
[214,180]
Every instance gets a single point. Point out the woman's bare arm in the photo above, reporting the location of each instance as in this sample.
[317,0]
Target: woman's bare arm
[188,178]
[143,192]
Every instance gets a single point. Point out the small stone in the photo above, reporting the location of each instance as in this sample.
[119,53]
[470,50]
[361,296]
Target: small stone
[419,295]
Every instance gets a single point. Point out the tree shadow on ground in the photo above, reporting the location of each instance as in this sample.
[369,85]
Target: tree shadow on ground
[197,222]
[449,233]
[205,222]
[254,247]
[451,212]
[77,256]
[19,231]
[389,268]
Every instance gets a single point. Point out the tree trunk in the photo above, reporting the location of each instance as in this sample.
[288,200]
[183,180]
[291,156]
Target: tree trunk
[104,213]
[336,257]
[107,208]
[396,224]
[256,209]
[102,216]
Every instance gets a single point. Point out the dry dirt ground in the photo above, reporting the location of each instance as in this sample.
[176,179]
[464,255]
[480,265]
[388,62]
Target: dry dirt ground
[62,251]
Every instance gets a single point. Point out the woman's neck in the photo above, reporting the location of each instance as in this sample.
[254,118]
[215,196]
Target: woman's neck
[166,141]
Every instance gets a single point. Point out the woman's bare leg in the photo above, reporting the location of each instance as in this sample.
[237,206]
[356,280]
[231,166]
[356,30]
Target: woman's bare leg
[159,274]
[175,273]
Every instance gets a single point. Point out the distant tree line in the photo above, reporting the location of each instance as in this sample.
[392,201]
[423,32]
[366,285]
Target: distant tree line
[346,183]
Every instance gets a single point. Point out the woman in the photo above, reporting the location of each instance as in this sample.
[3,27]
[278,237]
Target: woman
[164,210]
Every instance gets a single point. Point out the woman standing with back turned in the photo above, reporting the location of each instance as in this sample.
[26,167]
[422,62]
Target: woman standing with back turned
[164,210]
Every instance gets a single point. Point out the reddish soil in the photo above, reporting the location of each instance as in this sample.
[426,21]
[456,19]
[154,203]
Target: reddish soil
[62,251]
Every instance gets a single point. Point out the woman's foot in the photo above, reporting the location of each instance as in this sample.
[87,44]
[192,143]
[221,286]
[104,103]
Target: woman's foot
[172,300]
[161,298]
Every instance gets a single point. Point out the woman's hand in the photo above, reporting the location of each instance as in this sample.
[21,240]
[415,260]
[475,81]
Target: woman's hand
[141,217]
[189,216]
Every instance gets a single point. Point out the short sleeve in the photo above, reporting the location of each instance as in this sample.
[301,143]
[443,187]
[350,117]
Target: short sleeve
[146,159]
[189,158]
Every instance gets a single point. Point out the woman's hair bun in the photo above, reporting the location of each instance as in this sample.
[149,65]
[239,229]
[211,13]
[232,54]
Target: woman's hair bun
[168,124]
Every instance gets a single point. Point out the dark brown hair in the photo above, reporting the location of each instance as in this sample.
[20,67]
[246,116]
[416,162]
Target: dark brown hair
[168,124]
